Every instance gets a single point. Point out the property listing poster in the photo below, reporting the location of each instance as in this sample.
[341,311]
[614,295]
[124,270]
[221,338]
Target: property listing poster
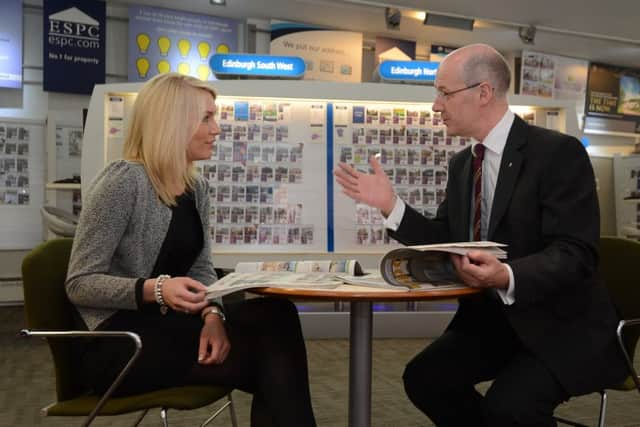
[267,176]
[614,93]
[328,55]
[21,183]
[11,44]
[68,140]
[15,141]
[74,35]
[414,151]
[164,40]
[69,147]
[553,76]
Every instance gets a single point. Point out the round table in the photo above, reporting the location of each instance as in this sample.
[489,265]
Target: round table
[360,330]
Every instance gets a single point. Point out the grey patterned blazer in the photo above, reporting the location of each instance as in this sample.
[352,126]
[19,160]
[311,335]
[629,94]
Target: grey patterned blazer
[120,232]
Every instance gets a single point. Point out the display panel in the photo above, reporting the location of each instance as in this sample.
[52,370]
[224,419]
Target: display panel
[11,44]
[271,173]
[613,94]
[266,176]
[164,40]
[414,151]
[21,183]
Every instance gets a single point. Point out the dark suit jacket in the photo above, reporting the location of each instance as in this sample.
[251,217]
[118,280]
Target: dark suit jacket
[546,209]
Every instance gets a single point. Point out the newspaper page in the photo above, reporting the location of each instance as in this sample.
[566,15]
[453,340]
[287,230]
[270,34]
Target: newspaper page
[462,248]
[414,266]
[239,281]
[349,266]
[375,280]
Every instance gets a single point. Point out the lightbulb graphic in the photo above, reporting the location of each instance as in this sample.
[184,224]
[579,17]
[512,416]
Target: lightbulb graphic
[164,66]
[164,44]
[143,42]
[203,49]
[142,65]
[222,48]
[203,72]
[184,46]
[184,68]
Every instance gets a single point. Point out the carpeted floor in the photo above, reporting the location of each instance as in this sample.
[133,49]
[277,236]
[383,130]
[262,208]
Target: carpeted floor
[27,384]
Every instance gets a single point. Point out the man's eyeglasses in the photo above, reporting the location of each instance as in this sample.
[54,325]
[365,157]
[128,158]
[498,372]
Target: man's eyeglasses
[446,94]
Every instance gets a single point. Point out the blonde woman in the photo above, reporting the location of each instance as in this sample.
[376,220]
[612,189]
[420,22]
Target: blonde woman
[141,259]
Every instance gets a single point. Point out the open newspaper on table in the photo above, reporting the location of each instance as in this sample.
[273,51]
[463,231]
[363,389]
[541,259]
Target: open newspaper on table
[284,274]
[410,268]
[348,266]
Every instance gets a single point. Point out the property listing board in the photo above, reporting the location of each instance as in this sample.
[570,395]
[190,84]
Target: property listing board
[271,173]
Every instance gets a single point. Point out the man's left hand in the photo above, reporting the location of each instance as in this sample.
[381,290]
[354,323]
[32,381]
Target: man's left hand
[481,270]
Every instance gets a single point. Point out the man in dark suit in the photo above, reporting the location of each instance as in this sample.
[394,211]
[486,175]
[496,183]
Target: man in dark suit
[543,327]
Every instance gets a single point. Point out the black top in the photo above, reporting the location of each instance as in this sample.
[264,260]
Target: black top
[182,244]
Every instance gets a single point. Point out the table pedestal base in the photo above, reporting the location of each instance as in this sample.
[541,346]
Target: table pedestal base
[361,325]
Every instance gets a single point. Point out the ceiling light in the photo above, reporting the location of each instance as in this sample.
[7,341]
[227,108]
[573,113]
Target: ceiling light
[218,2]
[448,21]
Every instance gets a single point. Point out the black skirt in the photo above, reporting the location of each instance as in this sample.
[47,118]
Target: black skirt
[169,351]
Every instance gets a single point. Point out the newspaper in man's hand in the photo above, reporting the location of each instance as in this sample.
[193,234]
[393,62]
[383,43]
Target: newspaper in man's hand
[415,266]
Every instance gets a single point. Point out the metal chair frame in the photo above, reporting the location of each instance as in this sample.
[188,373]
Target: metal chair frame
[138,348]
[603,394]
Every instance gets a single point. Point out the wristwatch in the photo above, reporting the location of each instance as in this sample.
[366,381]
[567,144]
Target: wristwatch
[213,309]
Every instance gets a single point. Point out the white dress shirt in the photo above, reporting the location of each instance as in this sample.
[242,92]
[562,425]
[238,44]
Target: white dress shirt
[494,146]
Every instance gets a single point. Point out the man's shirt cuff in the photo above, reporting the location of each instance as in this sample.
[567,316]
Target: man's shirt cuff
[392,222]
[508,296]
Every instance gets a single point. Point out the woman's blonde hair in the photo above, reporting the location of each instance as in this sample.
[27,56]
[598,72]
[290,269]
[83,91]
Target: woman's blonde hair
[166,114]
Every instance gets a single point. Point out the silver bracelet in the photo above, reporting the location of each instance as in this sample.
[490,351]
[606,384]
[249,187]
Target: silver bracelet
[157,290]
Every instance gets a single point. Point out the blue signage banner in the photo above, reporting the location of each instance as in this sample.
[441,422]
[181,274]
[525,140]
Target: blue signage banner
[11,44]
[292,67]
[74,45]
[163,40]
[410,71]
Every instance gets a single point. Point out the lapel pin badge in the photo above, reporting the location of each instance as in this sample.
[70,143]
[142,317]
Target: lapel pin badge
[510,163]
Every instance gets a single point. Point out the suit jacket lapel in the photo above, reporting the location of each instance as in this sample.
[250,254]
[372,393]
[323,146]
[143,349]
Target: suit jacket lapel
[510,166]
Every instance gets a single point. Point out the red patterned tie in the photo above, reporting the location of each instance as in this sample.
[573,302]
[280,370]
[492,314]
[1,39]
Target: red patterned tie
[478,152]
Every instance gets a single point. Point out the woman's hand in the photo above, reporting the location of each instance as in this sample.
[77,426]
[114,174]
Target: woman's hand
[214,344]
[180,293]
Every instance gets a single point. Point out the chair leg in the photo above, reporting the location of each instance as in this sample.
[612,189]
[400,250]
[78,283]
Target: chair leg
[142,415]
[232,412]
[603,408]
[163,415]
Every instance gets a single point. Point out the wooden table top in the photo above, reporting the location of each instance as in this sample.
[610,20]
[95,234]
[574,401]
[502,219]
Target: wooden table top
[362,293]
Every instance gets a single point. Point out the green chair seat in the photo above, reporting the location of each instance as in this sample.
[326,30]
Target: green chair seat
[181,398]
